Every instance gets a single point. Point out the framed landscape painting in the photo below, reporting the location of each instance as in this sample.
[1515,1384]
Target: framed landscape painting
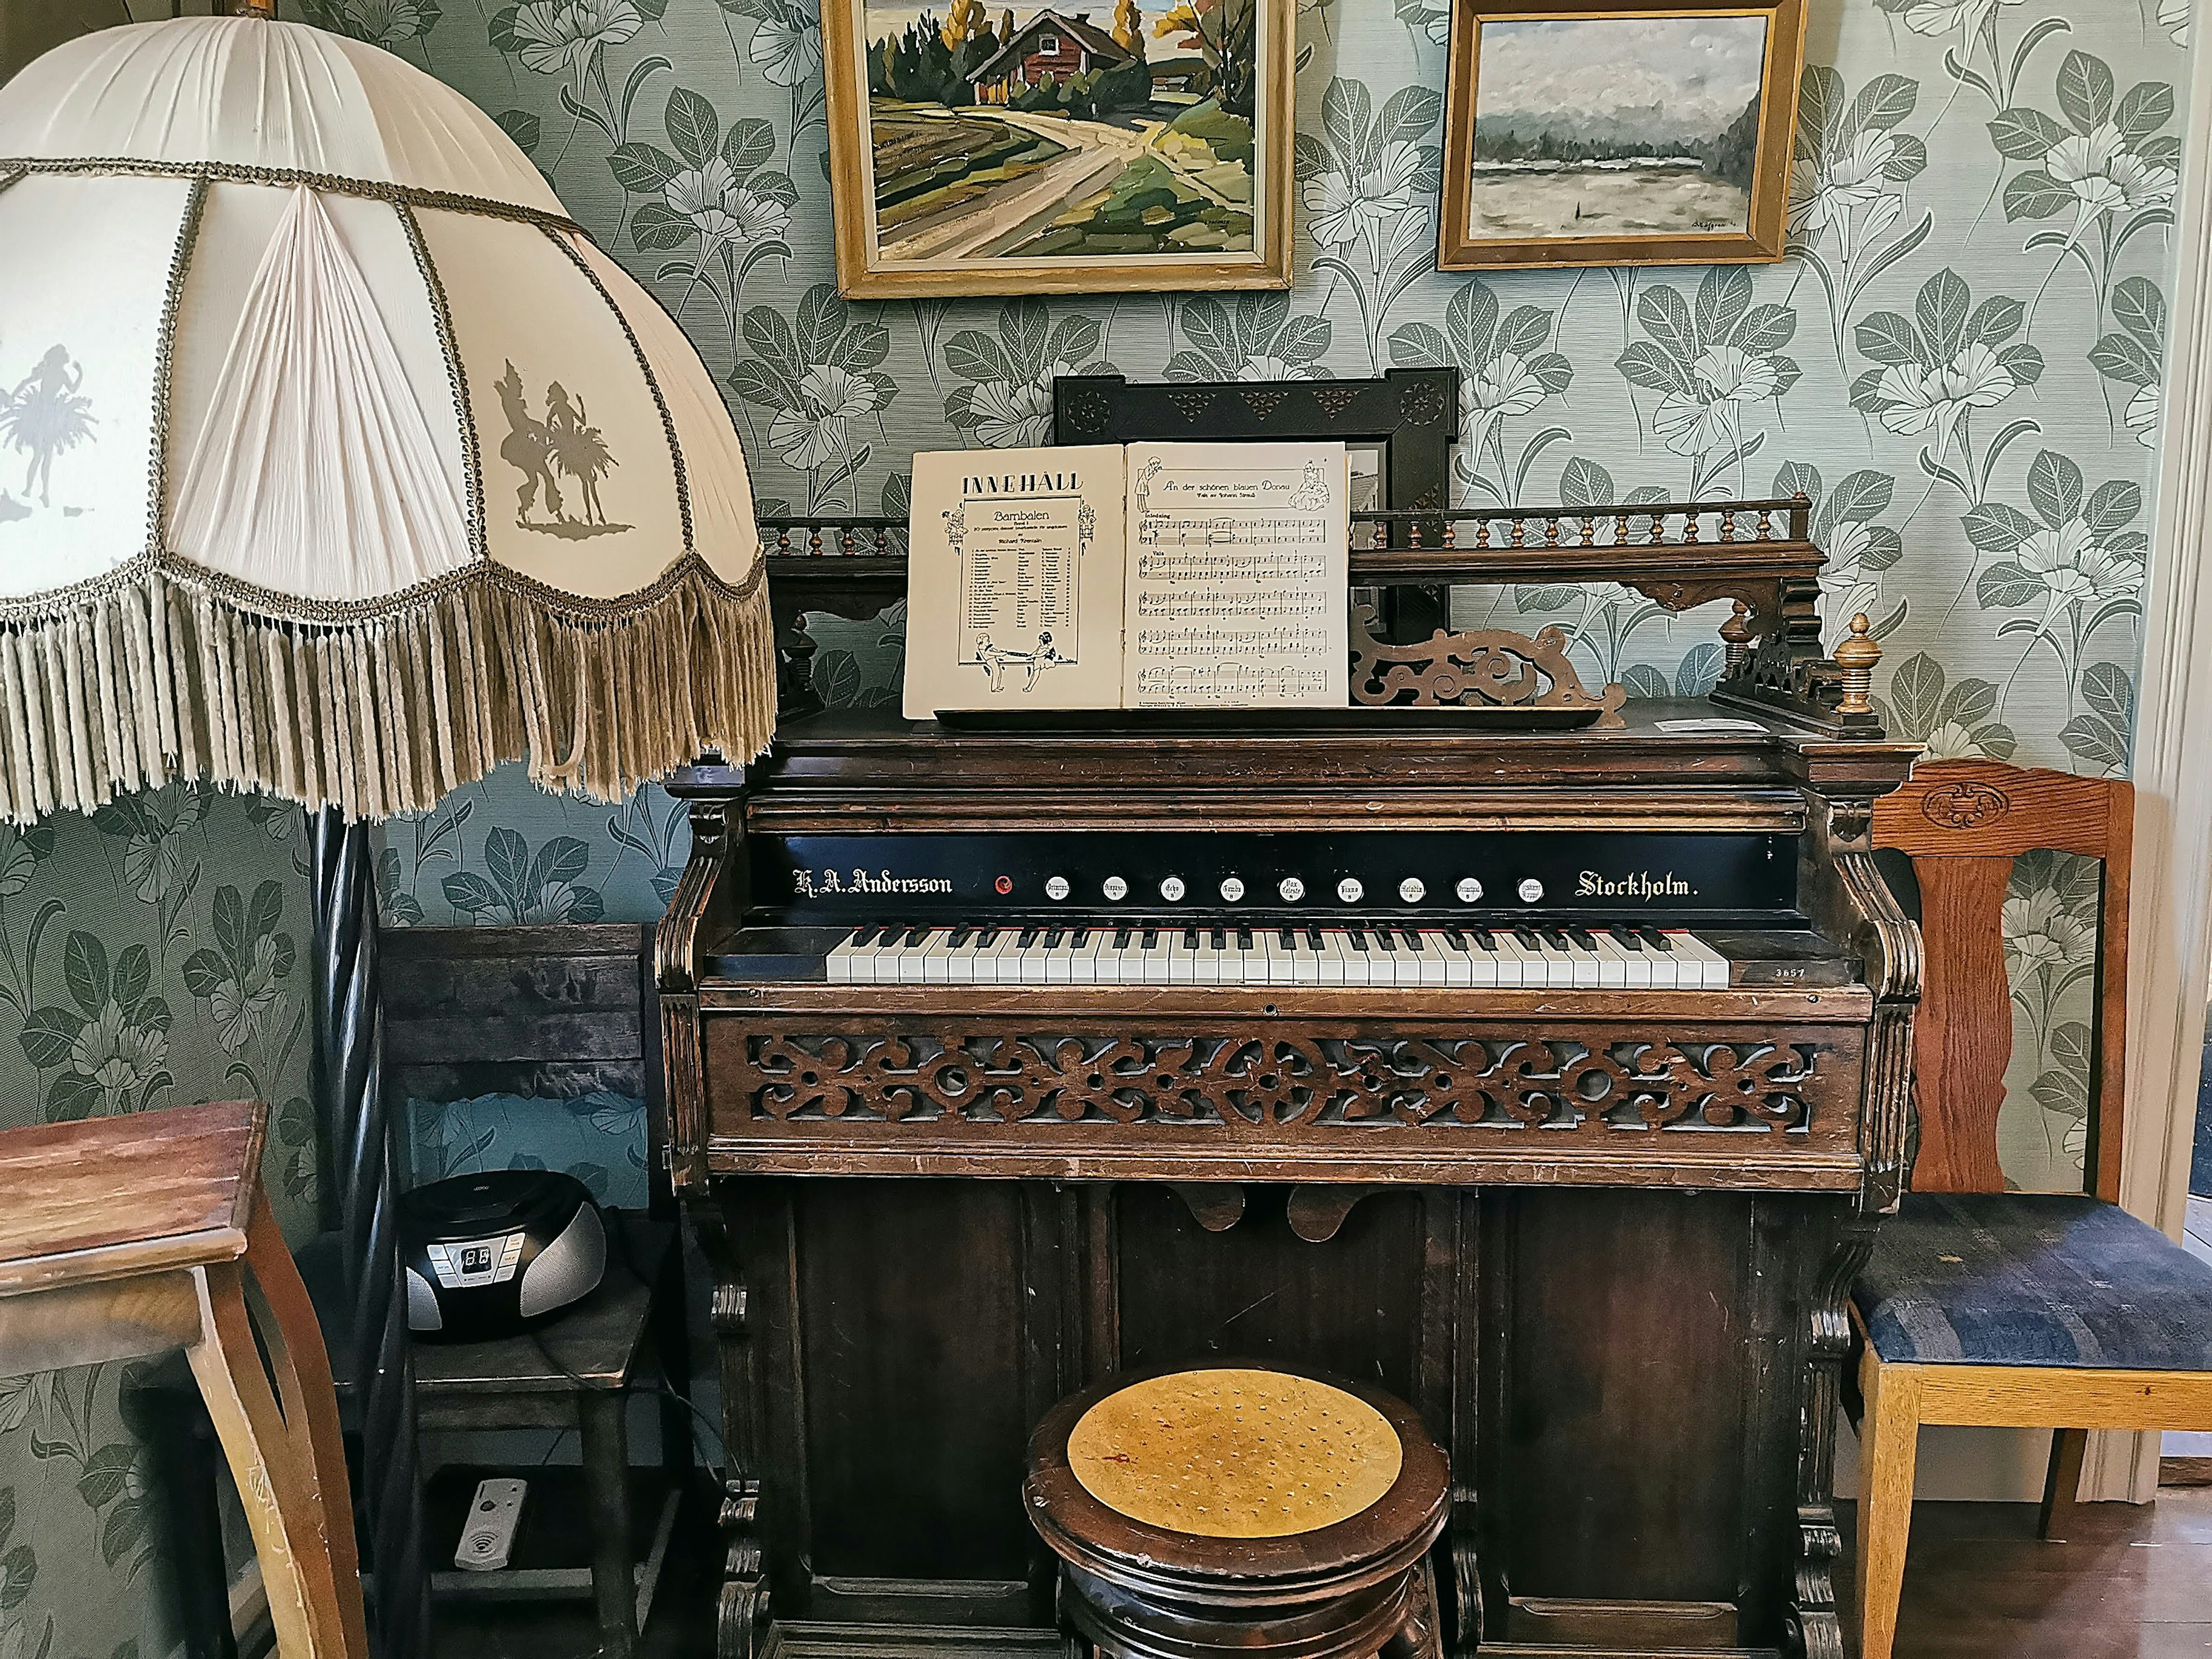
[1022,147]
[1580,132]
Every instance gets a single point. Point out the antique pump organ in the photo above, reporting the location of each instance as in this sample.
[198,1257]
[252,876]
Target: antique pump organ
[1545,1071]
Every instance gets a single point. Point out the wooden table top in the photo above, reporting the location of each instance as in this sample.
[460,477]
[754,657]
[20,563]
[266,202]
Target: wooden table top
[108,1197]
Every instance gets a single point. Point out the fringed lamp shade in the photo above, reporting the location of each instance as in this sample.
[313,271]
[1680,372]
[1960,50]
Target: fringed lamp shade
[335,459]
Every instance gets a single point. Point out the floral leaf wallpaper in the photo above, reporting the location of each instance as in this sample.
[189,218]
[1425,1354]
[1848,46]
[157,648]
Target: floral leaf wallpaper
[149,957]
[1959,363]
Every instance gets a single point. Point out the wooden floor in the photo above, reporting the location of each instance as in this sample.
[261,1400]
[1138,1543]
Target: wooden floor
[2135,1583]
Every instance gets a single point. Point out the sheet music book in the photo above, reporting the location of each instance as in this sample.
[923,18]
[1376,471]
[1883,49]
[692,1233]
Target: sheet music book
[1155,576]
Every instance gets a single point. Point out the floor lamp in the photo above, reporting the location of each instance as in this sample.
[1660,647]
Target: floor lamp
[338,462]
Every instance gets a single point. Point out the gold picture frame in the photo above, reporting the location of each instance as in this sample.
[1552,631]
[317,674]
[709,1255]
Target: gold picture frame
[1571,165]
[1016,189]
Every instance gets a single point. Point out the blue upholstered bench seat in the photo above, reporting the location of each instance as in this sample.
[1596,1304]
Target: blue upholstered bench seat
[2032,1279]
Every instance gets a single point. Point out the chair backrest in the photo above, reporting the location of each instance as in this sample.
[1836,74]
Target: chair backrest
[547,1013]
[1964,822]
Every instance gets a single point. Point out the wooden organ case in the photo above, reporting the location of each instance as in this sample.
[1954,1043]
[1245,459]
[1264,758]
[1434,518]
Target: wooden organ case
[1600,1235]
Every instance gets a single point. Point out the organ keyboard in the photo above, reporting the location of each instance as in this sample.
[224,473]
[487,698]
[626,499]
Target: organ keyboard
[1620,957]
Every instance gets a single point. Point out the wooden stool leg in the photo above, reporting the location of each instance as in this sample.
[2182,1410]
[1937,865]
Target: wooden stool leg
[602,1419]
[280,1501]
[2061,1484]
[1889,1440]
[311,1407]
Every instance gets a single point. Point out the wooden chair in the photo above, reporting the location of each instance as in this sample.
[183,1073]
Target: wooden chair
[1240,1510]
[542,1014]
[2053,1310]
[125,1237]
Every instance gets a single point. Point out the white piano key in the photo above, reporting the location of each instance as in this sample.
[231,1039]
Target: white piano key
[1083,957]
[1428,957]
[1635,962]
[1459,961]
[1666,963]
[843,960]
[1612,969]
[1056,947]
[1329,959]
[937,956]
[1512,961]
[1712,967]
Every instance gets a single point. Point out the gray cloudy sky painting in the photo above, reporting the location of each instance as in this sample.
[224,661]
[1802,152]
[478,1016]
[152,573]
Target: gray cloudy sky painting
[1685,74]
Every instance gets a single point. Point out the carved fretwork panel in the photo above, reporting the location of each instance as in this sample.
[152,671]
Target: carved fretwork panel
[1760,1096]
[1493,667]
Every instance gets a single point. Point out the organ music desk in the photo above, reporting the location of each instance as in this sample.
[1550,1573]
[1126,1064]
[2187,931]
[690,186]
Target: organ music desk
[1547,1078]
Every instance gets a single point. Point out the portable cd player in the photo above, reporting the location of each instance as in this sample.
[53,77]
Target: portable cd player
[487,1254]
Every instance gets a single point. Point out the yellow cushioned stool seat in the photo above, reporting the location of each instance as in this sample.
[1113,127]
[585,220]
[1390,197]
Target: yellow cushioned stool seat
[1245,1510]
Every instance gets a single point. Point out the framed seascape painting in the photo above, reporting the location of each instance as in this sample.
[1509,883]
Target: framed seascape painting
[1015,147]
[1580,132]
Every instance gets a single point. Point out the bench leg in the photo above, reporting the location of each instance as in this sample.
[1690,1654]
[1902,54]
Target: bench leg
[602,1420]
[311,1407]
[1889,1441]
[281,1503]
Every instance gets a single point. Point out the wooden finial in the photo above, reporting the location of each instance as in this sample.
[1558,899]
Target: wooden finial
[1735,635]
[1856,657]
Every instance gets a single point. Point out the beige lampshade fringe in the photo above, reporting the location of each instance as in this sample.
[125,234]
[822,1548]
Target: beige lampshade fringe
[162,676]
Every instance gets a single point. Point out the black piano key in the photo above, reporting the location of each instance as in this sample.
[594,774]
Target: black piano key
[1526,937]
[1243,939]
[1555,938]
[1456,938]
[1026,939]
[1657,940]
[1626,938]
[1150,940]
[1289,938]
[1313,938]
[1052,939]
[1414,942]
[1190,939]
[915,936]
[1383,938]
[861,936]
[1121,939]
[1082,937]
[959,938]
[987,939]
[1357,939]
[1220,939]
[1582,939]
[1484,939]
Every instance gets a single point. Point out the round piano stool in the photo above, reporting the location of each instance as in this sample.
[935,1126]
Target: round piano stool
[1245,1510]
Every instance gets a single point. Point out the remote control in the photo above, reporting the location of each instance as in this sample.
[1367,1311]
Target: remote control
[488,1535]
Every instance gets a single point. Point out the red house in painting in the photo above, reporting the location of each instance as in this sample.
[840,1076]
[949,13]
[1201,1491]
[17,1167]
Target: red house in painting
[1048,43]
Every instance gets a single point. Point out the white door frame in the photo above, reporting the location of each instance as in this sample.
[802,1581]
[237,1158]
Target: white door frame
[2169,947]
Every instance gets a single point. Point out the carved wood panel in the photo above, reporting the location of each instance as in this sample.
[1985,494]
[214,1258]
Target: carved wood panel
[1249,1086]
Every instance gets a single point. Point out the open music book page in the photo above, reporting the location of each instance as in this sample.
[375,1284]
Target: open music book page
[1014,580]
[1157,576]
[1236,576]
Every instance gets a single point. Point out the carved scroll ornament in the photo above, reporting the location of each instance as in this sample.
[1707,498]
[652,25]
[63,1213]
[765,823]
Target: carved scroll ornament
[1495,667]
